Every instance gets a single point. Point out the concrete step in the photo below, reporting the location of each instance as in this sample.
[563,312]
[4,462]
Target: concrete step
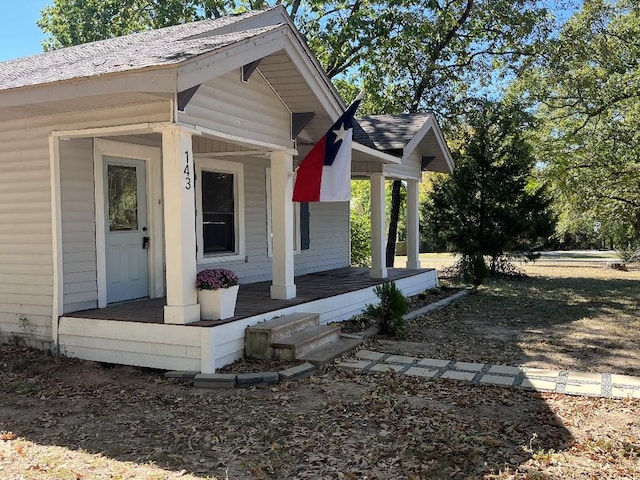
[258,338]
[311,338]
[326,354]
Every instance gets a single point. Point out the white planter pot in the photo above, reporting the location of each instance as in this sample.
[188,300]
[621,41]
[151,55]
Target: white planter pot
[218,304]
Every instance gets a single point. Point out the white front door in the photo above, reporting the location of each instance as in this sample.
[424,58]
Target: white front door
[126,229]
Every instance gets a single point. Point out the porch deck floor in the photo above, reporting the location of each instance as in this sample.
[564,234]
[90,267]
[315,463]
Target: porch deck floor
[254,298]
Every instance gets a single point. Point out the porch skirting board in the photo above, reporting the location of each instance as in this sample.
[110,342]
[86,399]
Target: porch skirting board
[198,348]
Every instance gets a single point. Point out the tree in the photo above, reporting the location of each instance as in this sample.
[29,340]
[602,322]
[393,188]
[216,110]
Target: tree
[490,206]
[586,88]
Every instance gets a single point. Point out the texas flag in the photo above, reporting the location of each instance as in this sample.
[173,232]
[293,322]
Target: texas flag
[325,173]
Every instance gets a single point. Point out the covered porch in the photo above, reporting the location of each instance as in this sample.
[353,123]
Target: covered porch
[254,298]
[134,333]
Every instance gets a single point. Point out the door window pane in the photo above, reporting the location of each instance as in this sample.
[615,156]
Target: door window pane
[123,198]
[218,213]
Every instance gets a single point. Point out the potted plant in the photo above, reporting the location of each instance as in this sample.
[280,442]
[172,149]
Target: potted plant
[217,293]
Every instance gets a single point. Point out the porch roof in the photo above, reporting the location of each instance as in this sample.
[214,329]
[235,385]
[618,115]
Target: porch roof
[403,135]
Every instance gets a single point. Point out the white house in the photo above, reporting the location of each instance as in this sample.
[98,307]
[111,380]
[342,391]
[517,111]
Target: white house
[129,164]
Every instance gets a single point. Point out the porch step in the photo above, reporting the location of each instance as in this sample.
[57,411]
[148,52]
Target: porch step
[259,338]
[301,343]
[325,354]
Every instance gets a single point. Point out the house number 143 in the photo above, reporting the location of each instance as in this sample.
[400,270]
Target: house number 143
[187,173]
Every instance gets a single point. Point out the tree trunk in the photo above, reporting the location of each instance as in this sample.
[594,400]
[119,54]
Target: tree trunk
[393,223]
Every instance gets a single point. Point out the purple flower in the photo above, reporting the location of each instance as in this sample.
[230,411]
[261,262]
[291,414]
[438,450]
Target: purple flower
[215,278]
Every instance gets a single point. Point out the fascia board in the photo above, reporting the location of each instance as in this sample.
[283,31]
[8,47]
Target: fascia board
[203,68]
[430,124]
[376,155]
[150,80]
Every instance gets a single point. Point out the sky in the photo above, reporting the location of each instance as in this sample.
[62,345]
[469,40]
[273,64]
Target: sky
[19,34]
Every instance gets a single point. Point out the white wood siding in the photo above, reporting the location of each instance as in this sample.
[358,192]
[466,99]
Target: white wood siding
[26,251]
[26,258]
[409,169]
[244,109]
[78,225]
[328,238]
[170,347]
[328,225]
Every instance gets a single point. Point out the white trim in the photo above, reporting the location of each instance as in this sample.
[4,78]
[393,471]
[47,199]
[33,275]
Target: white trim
[132,129]
[376,155]
[152,158]
[297,238]
[203,131]
[430,124]
[223,166]
[56,236]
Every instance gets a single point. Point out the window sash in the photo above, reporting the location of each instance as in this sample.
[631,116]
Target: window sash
[224,227]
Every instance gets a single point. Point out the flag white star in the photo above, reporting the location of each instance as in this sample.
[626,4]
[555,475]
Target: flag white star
[340,134]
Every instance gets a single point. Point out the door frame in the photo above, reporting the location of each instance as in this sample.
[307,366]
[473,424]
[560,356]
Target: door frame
[151,156]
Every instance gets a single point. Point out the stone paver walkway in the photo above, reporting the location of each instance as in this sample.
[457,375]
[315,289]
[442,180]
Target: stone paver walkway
[558,381]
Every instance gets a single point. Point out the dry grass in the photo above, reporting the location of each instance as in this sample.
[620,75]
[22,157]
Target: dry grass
[76,420]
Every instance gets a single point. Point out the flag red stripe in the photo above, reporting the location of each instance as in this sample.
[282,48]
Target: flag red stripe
[309,175]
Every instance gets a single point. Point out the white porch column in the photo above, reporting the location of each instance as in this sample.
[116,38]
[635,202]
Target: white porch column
[283,284]
[179,226]
[413,225]
[378,237]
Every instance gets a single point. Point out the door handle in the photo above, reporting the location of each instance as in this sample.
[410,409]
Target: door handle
[146,242]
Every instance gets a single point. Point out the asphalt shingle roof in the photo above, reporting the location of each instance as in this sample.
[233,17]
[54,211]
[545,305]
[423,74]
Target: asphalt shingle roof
[152,48]
[388,132]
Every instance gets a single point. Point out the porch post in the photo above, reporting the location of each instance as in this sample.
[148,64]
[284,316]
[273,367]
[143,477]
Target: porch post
[283,284]
[378,214]
[179,226]
[413,226]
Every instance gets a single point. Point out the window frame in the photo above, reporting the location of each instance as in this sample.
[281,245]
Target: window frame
[237,170]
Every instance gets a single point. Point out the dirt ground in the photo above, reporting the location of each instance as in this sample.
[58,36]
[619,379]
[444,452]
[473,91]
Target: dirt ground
[575,315]
[66,419]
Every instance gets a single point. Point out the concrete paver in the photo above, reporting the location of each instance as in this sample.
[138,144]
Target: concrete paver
[540,372]
[584,389]
[625,380]
[421,372]
[401,359]
[469,367]
[497,380]
[455,375]
[540,379]
[617,392]
[505,370]
[584,377]
[369,355]
[432,362]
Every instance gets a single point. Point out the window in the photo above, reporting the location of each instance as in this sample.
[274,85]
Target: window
[220,204]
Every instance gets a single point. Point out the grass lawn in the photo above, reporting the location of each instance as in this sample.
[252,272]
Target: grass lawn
[65,419]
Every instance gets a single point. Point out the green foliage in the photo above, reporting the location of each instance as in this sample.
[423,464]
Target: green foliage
[489,206]
[586,92]
[391,310]
[360,239]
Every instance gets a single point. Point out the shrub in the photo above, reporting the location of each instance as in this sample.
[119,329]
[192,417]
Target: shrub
[391,309]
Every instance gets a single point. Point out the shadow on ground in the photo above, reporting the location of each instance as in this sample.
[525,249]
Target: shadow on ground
[341,425]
